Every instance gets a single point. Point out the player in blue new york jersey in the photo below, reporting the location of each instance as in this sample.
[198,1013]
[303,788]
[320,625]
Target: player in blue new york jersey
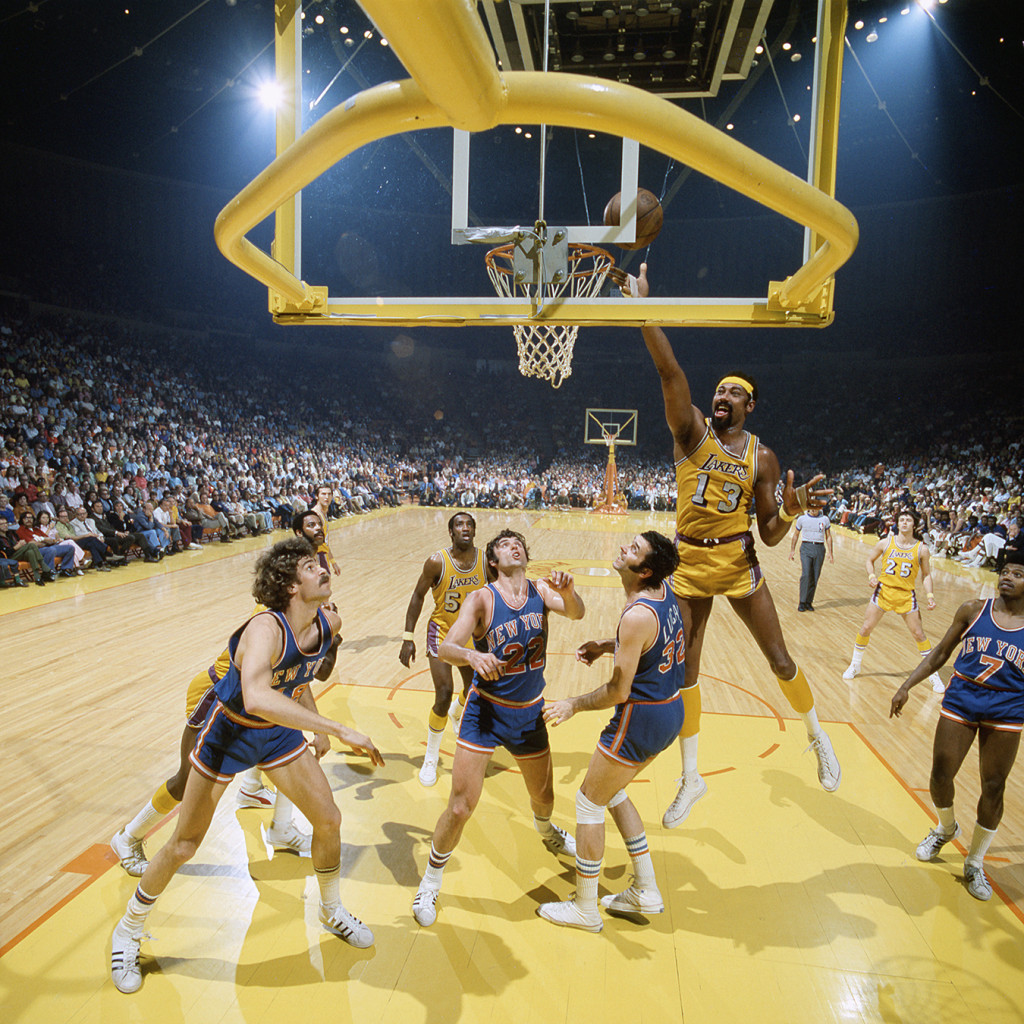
[650,652]
[262,704]
[985,696]
[508,620]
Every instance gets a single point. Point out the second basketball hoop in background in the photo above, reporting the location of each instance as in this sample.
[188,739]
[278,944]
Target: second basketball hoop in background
[649,217]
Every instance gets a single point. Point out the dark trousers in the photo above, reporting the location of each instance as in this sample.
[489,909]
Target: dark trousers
[812,558]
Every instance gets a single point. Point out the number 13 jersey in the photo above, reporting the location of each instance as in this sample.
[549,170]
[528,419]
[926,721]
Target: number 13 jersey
[715,488]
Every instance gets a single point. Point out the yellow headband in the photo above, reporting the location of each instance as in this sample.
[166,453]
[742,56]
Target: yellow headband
[746,385]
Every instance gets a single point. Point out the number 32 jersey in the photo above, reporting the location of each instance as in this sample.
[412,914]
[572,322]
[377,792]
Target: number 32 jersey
[715,488]
[659,672]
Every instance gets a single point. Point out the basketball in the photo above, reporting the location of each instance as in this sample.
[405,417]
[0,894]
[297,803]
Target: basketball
[649,217]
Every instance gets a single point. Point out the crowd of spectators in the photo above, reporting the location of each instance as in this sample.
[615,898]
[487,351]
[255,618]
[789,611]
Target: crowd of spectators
[118,443]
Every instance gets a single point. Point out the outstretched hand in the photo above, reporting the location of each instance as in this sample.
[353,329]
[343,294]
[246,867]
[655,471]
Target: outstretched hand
[589,652]
[632,287]
[799,499]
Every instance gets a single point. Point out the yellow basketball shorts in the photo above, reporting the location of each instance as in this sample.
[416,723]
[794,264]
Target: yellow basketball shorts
[730,569]
[893,599]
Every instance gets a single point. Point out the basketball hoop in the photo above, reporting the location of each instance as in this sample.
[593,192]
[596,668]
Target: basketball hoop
[545,350]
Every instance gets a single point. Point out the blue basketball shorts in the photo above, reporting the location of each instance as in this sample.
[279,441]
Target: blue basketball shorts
[488,724]
[971,703]
[641,730]
[228,744]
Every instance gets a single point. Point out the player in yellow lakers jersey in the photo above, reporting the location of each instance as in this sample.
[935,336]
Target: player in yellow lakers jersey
[722,473]
[127,842]
[451,574]
[903,556]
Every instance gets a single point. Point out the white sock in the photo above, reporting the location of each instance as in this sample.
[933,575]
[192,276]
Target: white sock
[643,866]
[690,754]
[434,738]
[139,906]
[810,719]
[143,821]
[587,874]
[435,869]
[252,781]
[980,842]
[329,880]
[542,825]
[283,808]
[947,820]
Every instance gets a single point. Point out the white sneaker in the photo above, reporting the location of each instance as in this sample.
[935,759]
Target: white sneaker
[195,547]
[559,841]
[338,920]
[125,972]
[691,788]
[569,914]
[263,797]
[634,901]
[428,773]
[131,854]
[929,847]
[290,840]
[977,884]
[829,772]
[938,686]
[852,672]
[424,906]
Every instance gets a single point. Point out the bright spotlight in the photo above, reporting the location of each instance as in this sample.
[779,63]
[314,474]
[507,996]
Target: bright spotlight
[858,25]
[271,94]
[871,37]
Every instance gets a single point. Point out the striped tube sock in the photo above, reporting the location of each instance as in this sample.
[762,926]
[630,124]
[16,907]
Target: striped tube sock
[542,825]
[435,731]
[924,648]
[145,819]
[329,880]
[139,906]
[435,868]
[587,874]
[640,855]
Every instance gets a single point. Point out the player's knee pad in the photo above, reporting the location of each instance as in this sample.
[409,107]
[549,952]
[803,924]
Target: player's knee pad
[587,812]
[617,799]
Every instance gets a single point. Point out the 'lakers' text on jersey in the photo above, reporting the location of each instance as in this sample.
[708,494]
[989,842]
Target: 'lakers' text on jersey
[452,588]
[896,578]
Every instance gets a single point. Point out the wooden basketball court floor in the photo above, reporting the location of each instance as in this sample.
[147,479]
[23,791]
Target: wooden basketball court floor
[783,902]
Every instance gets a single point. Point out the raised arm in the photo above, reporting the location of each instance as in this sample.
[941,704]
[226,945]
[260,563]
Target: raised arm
[559,593]
[638,629]
[683,418]
[431,573]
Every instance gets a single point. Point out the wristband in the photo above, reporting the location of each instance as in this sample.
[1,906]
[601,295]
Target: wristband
[784,515]
[409,635]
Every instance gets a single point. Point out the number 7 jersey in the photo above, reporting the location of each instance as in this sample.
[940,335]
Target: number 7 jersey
[715,488]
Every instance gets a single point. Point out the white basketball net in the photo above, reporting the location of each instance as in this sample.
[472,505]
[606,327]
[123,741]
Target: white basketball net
[545,350]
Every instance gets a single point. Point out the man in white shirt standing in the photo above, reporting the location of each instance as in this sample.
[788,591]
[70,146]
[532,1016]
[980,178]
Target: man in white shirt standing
[814,532]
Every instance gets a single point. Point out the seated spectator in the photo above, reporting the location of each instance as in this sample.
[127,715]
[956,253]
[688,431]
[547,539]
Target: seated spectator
[143,521]
[1014,542]
[6,512]
[85,534]
[212,520]
[164,519]
[119,541]
[52,529]
[118,519]
[15,550]
[50,549]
